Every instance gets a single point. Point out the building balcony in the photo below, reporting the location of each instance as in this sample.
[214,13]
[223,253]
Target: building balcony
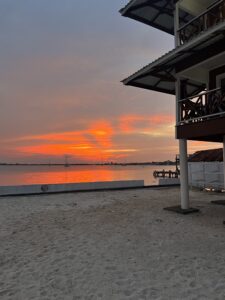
[214,15]
[204,106]
[202,117]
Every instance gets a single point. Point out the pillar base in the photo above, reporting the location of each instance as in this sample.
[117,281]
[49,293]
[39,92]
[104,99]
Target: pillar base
[218,202]
[179,210]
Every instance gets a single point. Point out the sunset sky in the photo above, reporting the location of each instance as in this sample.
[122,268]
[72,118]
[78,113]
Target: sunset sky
[61,63]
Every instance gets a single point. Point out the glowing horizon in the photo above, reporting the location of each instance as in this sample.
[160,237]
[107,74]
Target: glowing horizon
[101,140]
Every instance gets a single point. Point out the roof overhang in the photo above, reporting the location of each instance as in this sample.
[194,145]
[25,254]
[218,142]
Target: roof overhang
[156,13]
[160,75]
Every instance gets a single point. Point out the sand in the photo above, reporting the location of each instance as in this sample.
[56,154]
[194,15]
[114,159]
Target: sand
[111,245]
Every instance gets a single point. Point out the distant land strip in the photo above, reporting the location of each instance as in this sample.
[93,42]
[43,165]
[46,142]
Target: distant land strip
[169,163]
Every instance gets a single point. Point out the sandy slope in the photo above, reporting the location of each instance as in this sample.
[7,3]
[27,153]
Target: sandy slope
[111,245]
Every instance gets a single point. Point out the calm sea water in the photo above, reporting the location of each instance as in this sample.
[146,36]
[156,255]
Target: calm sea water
[22,175]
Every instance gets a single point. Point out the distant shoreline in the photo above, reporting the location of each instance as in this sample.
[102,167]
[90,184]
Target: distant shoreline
[170,163]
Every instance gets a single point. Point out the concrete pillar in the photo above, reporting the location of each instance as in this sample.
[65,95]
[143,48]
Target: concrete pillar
[184,188]
[176,25]
[177,108]
[224,159]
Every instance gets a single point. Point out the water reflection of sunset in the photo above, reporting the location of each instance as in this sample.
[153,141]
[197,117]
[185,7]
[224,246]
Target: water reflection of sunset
[21,175]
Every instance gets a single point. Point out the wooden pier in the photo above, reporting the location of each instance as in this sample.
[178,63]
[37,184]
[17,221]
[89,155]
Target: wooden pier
[169,174]
[166,174]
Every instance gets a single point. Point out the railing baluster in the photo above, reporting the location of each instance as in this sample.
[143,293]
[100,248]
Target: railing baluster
[199,107]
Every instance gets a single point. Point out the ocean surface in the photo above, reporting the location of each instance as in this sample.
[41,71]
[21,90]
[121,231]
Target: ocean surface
[23,175]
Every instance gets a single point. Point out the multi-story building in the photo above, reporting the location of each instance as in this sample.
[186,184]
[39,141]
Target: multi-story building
[194,71]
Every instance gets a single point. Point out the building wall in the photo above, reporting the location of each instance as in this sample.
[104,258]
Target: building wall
[206,174]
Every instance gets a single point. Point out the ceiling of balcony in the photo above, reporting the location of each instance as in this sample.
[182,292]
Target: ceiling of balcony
[200,72]
[195,7]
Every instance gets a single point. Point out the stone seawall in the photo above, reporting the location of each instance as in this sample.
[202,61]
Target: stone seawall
[68,187]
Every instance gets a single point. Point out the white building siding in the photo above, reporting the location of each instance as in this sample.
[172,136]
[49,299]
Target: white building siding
[206,175]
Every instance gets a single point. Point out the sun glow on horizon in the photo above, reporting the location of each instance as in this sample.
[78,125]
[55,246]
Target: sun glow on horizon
[100,140]
[105,140]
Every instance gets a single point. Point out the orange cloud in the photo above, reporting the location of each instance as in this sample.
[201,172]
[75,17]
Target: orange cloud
[128,122]
[70,136]
[120,150]
[87,152]
[147,124]
[194,146]
[96,141]
[102,132]
[89,144]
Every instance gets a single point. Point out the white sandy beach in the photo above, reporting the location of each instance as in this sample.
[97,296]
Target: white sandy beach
[111,245]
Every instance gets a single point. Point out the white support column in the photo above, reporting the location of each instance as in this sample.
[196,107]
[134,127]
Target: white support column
[184,174]
[177,42]
[177,108]
[224,159]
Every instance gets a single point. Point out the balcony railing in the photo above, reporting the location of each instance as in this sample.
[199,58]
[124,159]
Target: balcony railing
[198,108]
[212,16]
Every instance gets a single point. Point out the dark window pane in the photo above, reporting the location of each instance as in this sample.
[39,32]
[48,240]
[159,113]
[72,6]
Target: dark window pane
[222,82]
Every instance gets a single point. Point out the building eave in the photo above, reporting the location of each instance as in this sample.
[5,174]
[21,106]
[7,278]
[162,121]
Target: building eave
[156,13]
[165,66]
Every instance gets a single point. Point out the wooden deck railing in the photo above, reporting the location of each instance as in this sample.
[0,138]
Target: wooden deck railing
[210,104]
[212,16]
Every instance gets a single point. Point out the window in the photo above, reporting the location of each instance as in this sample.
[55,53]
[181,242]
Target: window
[220,81]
